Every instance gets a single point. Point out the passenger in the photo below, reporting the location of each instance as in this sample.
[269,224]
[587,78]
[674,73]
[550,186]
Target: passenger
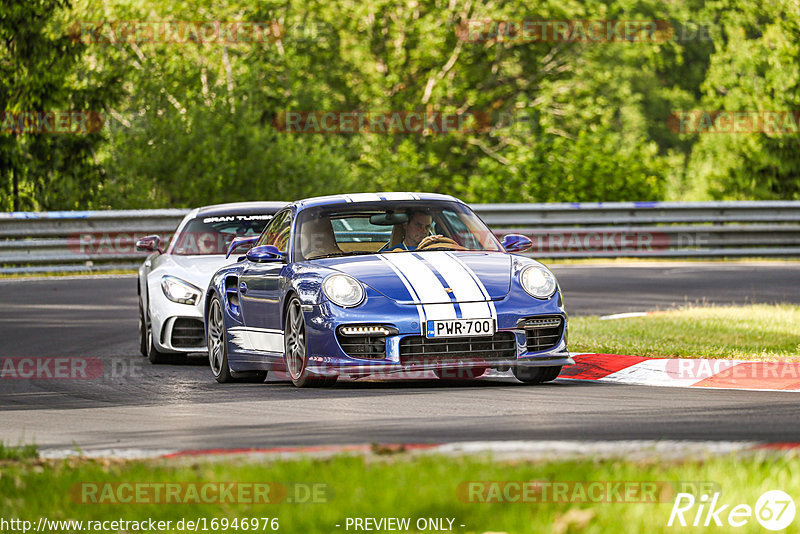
[317,238]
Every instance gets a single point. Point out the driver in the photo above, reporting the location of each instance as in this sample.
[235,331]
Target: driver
[417,228]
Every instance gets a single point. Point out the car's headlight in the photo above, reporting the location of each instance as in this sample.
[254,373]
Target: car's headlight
[538,281]
[343,290]
[180,291]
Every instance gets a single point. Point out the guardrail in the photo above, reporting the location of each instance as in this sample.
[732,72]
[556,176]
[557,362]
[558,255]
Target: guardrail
[104,240]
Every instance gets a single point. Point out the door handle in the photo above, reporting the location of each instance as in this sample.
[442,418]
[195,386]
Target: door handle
[242,288]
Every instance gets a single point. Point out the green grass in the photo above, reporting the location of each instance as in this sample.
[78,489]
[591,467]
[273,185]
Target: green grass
[399,486]
[67,274]
[755,332]
[19,452]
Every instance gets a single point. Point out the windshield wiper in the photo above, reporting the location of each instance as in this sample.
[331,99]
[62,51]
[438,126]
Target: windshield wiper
[339,254]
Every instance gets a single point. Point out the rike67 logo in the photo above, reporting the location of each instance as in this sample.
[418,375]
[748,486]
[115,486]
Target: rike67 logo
[774,510]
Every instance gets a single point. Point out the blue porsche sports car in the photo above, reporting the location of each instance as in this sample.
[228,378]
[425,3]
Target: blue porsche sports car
[383,283]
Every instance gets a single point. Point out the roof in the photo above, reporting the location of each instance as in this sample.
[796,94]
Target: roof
[372,197]
[241,208]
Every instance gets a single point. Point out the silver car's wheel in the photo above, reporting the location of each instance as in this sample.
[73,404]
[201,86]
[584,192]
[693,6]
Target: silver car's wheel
[217,348]
[143,340]
[153,354]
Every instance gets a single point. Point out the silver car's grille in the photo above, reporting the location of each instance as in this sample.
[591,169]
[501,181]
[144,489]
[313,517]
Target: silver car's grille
[187,333]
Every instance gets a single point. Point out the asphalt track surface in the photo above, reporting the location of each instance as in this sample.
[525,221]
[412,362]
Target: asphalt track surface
[135,405]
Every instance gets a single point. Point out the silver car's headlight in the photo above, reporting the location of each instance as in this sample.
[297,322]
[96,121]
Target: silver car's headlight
[538,281]
[180,291]
[343,290]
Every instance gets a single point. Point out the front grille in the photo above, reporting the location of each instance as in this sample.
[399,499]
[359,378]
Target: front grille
[542,333]
[419,349]
[187,333]
[364,347]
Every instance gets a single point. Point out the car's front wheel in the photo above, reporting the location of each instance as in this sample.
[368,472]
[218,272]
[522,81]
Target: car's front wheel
[218,349]
[536,375]
[142,330]
[296,349]
[151,351]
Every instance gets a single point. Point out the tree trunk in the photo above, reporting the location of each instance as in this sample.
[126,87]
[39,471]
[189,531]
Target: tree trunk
[15,182]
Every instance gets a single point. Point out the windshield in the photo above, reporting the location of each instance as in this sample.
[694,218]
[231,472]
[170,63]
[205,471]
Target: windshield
[372,228]
[205,236]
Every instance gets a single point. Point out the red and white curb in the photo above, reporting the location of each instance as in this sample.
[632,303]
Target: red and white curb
[685,372]
[537,450]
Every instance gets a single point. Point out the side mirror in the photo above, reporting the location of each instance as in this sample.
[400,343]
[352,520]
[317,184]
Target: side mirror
[516,243]
[239,242]
[264,253]
[148,243]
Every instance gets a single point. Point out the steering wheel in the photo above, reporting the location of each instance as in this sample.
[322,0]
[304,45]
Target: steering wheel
[439,241]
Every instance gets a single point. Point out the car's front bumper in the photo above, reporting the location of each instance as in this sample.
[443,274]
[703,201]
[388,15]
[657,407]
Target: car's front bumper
[326,355]
[172,322]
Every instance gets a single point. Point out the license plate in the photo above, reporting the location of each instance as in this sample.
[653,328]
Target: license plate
[460,327]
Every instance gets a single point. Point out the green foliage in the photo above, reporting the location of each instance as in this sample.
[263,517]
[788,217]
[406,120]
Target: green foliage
[41,70]
[19,452]
[755,67]
[192,123]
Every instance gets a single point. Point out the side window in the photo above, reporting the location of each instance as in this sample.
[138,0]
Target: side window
[277,233]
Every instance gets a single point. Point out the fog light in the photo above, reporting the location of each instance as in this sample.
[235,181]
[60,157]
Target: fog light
[549,322]
[367,330]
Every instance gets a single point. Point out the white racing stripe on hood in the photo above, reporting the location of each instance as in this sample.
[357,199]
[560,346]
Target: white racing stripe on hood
[477,281]
[424,282]
[462,280]
[408,286]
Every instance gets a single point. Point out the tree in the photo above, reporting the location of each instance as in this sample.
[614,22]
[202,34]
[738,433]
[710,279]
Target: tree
[755,69]
[38,73]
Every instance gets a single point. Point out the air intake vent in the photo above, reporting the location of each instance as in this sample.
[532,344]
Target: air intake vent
[418,349]
[187,333]
[542,333]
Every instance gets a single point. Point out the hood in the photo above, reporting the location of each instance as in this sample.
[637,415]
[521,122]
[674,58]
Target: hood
[424,277]
[196,270]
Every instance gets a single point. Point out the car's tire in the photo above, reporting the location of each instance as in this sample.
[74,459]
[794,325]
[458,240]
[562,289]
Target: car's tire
[536,375]
[461,373]
[142,330]
[217,344]
[218,350]
[153,354]
[296,350]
